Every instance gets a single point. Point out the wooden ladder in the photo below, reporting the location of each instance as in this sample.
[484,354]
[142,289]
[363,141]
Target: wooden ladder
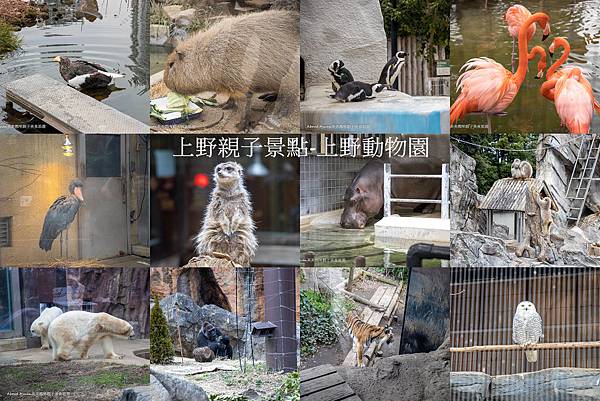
[583,175]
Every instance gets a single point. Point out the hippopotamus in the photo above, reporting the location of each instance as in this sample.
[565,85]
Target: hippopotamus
[363,199]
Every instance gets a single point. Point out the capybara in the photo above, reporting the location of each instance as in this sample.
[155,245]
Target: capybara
[240,55]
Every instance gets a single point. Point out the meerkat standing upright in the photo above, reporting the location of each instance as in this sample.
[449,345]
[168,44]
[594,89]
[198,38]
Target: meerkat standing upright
[228,227]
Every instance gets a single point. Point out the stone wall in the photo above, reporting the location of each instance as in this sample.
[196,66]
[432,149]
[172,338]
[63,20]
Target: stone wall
[335,29]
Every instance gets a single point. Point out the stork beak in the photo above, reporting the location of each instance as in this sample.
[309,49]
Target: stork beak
[78,194]
[56,59]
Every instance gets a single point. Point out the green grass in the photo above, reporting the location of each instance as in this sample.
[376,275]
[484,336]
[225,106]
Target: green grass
[15,374]
[9,41]
[50,386]
[115,379]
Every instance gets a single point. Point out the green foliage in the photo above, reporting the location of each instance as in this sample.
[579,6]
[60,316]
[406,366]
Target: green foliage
[119,379]
[428,20]
[161,347]
[9,41]
[495,164]
[290,389]
[316,322]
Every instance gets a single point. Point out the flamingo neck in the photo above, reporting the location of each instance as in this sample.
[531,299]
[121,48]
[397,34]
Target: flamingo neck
[519,76]
[566,50]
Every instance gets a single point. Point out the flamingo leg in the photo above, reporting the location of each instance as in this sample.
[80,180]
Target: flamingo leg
[489,123]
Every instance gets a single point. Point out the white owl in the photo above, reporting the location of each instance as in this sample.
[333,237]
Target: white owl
[527,328]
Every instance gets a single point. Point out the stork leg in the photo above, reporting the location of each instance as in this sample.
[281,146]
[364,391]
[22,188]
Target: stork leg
[61,245]
[67,243]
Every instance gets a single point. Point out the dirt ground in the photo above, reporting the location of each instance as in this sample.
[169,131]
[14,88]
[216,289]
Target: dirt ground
[19,13]
[69,381]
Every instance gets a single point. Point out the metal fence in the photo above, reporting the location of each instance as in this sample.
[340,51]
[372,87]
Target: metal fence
[483,303]
[323,179]
[387,189]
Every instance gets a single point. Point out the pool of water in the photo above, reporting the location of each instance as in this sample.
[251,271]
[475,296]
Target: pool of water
[338,247]
[478,31]
[117,41]
[158,56]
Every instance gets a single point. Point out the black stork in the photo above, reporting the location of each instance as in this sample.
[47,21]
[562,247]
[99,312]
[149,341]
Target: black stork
[60,215]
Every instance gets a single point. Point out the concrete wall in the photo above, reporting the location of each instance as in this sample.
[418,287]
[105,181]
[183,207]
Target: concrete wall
[33,166]
[338,29]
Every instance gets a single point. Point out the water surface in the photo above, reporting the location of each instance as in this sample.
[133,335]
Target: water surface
[478,31]
[118,41]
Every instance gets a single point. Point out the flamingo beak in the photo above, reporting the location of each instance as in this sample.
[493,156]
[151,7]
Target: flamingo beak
[551,53]
[546,31]
[539,75]
[78,194]
[545,36]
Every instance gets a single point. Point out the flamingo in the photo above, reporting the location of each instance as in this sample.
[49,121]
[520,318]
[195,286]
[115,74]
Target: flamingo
[541,66]
[570,91]
[515,17]
[486,86]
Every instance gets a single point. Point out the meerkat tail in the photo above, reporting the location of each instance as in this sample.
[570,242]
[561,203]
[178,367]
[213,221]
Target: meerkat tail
[532,356]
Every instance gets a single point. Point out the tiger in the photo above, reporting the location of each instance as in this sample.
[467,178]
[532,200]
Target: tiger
[363,333]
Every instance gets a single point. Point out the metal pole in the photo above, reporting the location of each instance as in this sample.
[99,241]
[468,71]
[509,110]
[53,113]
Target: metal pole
[387,171]
[445,192]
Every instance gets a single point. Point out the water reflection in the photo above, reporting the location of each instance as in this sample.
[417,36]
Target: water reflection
[478,32]
[112,33]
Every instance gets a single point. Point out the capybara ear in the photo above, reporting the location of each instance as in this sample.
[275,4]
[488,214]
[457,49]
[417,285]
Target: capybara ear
[180,54]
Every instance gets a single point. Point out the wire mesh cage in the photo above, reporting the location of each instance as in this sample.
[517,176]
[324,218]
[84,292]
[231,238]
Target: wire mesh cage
[483,304]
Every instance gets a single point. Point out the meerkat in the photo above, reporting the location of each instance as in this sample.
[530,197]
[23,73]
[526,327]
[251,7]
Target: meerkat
[545,205]
[521,169]
[228,227]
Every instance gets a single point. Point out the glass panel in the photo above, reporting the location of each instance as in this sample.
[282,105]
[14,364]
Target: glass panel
[6,323]
[103,156]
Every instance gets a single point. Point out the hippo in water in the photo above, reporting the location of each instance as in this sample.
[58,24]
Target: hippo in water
[363,199]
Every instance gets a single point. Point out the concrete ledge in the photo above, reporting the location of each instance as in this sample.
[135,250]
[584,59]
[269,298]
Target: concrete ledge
[392,112]
[13,344]
[399,233]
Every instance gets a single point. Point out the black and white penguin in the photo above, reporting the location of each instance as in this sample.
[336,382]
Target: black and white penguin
[357,91]
[391,70]
[340,74]
[82,74]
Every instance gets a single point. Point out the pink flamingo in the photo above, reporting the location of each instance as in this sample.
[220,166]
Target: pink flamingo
[486,86]
[515,17]
[570,91]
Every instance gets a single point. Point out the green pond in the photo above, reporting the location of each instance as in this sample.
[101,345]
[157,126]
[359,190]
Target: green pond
[478,29]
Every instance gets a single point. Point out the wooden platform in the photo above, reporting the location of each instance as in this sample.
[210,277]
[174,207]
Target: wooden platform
[386,296]
[68,110]
[323,383]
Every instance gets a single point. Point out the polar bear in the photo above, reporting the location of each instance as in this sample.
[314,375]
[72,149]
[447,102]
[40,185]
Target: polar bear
[39,327]
[76,332]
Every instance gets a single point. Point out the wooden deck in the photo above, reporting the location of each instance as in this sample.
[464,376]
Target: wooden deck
[68,110]
[387,297]
[323,383]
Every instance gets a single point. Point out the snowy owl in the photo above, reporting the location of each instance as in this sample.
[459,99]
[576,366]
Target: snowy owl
[527,328]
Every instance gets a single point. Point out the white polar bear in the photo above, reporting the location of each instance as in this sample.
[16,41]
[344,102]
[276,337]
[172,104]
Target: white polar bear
[77,331]
[39,327]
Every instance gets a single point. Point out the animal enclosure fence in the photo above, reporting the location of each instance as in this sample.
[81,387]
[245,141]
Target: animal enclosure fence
[414,78]
[387,189]
[324,179]
[483,303]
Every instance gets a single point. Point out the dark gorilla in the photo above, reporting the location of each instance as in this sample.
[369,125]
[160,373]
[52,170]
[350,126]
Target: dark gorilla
[210,336]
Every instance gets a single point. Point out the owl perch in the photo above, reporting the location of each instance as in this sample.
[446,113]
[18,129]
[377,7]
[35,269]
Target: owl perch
[517,347]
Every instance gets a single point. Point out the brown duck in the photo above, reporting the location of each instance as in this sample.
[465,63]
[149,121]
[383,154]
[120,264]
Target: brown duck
[81,74]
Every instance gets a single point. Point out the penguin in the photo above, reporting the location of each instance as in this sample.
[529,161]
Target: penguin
[391,70]
[340,75]
[357,91]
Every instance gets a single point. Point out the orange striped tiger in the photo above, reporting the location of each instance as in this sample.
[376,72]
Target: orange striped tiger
[363,333]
